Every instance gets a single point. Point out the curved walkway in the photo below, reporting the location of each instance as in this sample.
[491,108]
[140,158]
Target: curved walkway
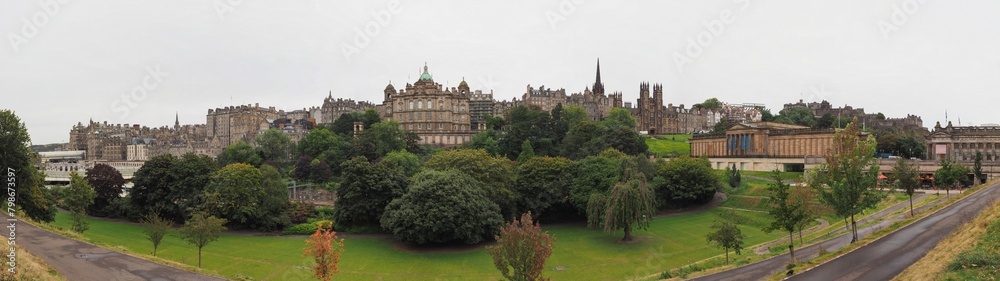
[84,261]
[885,258]
[765,268]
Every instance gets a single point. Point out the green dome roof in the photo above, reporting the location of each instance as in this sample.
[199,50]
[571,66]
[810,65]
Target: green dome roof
[463,84]
[425,76]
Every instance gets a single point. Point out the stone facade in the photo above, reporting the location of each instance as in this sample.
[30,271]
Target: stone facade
[681,120]
[439,116]
[764,140]
[651,115]
[239,123]
[480,105]
[333,108]
[961,143]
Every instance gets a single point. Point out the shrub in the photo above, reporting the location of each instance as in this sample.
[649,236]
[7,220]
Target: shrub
[304,228]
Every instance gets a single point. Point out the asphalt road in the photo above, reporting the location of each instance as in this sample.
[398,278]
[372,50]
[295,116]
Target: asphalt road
[885,258]
[765,268]
[83,261]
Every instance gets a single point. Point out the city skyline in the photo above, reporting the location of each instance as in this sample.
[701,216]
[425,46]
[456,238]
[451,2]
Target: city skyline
[193,56]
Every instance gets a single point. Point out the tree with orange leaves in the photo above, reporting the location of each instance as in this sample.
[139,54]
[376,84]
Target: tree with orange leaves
[522,249]
[325,249]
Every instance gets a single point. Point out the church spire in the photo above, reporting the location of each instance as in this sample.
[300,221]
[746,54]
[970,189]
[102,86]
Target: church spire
[598,85]
[177,119]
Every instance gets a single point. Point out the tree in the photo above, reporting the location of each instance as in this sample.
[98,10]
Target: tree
[685,181]
[274,204]
[189,175]
[796,116]
[442,207]
[905,176]
[303,168]
[630,203]
[318,141]
[325,249]
[805,197]
[239,152]
[382,138]
[273,145]
[733,176]
[78,197]
[320,171]
[19,164]
[721,126]
[365,190]
[155,227]
[619,118]
[408,162]
[592,175]
[486,140]
[950,174]
[626,140]
[726,236]
[107,183]
[493,173]
[152,183]
[540,183]
[977,168]
[787,213]
[521,250]
[201,230]
[584,139]
[526,152]
[851,174]
[525,124]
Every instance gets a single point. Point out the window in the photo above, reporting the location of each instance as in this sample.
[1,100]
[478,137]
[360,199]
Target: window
[430,104]
[440,126]
[411,104]
[411,116]
[440,116]
[411,126]
[420,104]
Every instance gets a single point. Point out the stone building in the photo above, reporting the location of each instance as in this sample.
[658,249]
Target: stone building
[439,116]
[651,114]
[958,143]
[763,146]
[480,105]
[681,120]
[333,108]
[239,123]
[543,98]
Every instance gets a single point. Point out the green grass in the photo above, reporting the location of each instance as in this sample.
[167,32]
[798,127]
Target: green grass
[580,253]
[669,145]
[982,262]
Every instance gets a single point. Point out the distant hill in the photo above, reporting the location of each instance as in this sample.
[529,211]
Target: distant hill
[47,147]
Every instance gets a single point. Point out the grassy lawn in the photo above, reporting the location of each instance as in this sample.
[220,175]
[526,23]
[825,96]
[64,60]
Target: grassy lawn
[669,145]
[580,253]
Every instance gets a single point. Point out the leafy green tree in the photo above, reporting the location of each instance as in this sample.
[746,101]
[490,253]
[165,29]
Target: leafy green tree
[526,124]
[494,122]
[540,183]
[950,175]
[786,212]
[365,190]
[733,176]
[343,126]
[273,145]
[905,176]
[592,175]
[851,173]
[155,228]
[408,162]
[151,184]
[721,126]
[494,174]
[626,140]
[382,138]
[107,183]
[320,171]
[726,236]
[79,195]
[685,181]
[303,168]
[573,115]
[189,175]
[584,139]
[19,163]
[239,152]
[370,117]
[317,142]
[441,207]
[202,229]
[619,118]
[243,196]
[274,204]
[796,116]
[911,147]
[712,103]
[486,140]
[630,203]
[826,121]
[526,152]
[521,250]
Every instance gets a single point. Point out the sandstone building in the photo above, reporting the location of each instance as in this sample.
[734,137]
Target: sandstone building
[438,115]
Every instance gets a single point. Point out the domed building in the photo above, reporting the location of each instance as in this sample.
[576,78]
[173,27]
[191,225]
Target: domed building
[439,115]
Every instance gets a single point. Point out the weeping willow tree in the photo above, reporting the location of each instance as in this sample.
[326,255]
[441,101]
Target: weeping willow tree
[628,204]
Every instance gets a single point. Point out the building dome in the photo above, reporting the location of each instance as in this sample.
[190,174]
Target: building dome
[425,75]
[390,88]
[463,84]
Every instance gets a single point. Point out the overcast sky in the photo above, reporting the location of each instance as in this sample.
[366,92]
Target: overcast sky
[65,62]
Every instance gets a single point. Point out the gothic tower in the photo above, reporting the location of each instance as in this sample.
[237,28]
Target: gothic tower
[598,85]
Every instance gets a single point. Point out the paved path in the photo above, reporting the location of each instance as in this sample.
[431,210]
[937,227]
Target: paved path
[766,248]
[885,258]
[84,261]
[767,267]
